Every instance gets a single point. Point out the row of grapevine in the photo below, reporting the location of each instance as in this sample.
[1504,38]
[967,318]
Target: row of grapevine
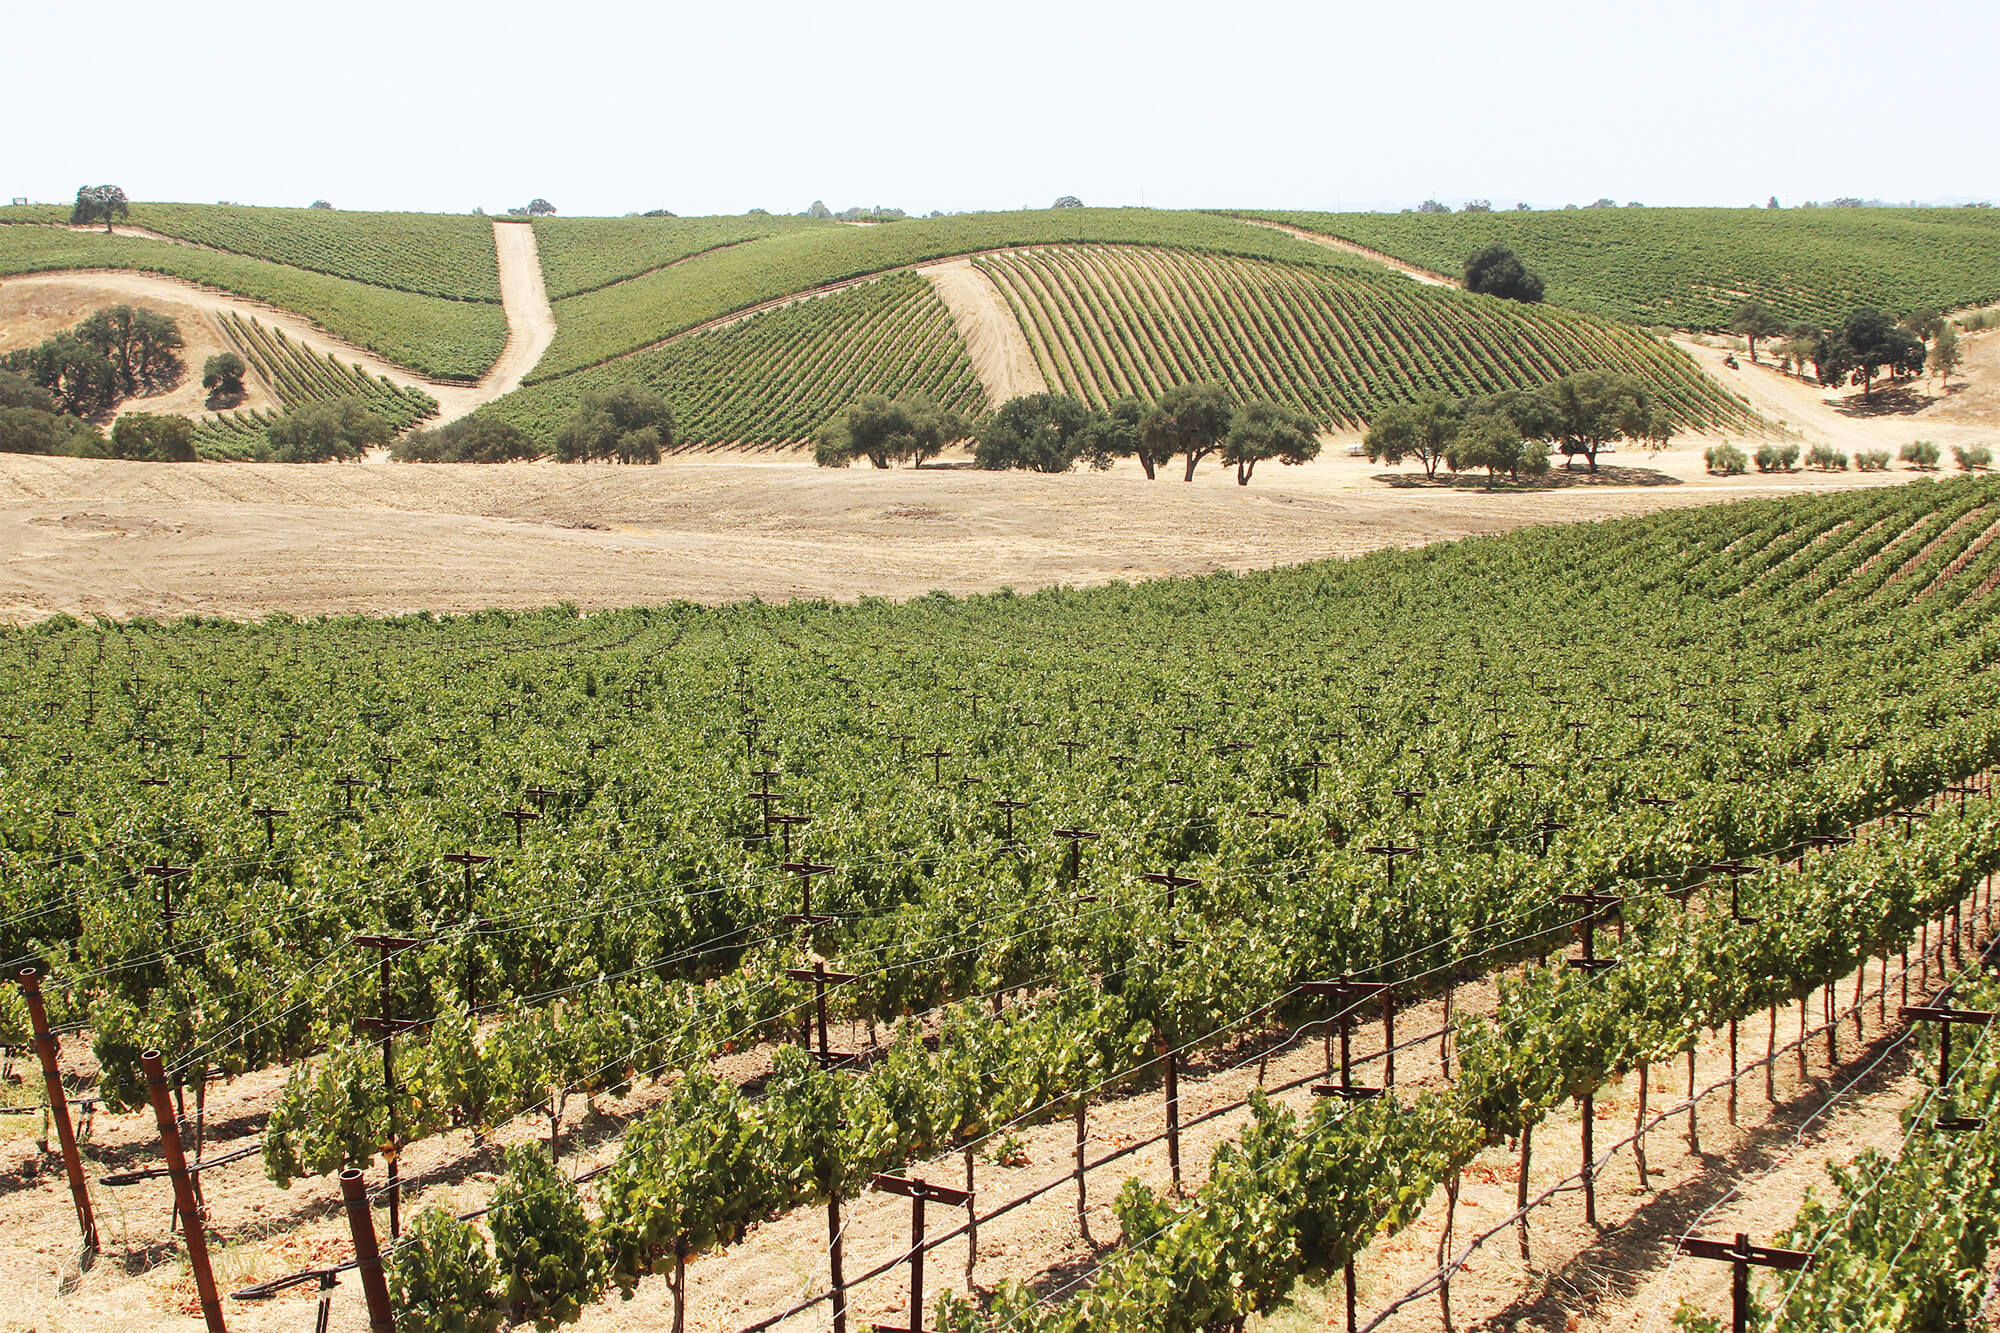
[295,376]
[1297,1196]
[1691,268]
[437,336]
[1906,1240]
[776,378]
[1324,1185]
[1106,321]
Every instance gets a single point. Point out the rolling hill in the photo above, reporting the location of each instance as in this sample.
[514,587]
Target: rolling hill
[714,312]
[1690,268]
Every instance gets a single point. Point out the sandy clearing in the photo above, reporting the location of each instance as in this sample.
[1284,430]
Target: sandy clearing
[530,320]
[1408,270]
[993,338]
[1967,413]
[121,539]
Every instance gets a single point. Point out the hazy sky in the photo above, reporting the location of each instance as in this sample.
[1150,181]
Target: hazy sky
[719,107]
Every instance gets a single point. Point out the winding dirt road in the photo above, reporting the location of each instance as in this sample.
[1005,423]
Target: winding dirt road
[531,324]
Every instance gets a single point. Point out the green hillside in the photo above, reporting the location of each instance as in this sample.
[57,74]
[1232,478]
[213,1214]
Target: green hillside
[434,254]
[1336,341]
[594,327]
[1690,268]
[582,254]
[1111,320]
[433,335]
[778,376]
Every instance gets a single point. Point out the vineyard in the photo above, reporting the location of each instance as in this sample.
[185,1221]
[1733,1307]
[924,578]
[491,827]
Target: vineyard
[583,254]
[598,325]
[295,376]
[431,254]
[1339,345]
[778,377]
[1049,851]
[1691,268]
[443,338]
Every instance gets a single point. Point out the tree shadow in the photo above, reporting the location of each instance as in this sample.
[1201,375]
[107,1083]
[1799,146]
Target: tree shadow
[1557,479]
[1888,401]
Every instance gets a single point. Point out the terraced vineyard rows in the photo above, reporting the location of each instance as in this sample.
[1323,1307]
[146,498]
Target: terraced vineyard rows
[778,377]
[598,325]
[296,376]
[435,336]
[1105,321]
[1608,708]
[1691,268]
[583,254]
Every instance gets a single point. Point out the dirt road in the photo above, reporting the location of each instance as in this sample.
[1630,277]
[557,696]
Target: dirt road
[1966,412]
[993,338]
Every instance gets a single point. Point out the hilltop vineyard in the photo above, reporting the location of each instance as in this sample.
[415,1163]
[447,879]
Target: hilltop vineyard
[432,335]
[1691,268]
[430,254]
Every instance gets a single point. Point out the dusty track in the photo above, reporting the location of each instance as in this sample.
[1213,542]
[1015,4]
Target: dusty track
[993,338]
[531,323]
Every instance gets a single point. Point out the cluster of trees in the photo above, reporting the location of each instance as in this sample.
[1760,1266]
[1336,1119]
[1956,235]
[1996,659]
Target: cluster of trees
[1513,432]
[112,355]
[876,214]
[536,208]
[473,439]
[1867,343]
[32,422]
[626,424]
[338,430]
[887,431]
[1053,432]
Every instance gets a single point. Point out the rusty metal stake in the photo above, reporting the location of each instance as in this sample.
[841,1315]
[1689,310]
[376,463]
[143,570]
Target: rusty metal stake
[367,1255]
[184,1203]
[45,1047]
